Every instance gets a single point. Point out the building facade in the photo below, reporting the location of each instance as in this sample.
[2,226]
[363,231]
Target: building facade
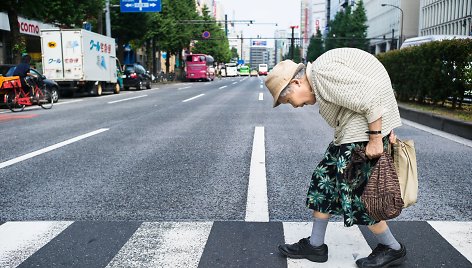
[387,25]
[259,53]
[313,18]
[445,17]
[30,29]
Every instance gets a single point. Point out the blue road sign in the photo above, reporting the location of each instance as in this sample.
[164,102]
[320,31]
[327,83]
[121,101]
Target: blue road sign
[140,5]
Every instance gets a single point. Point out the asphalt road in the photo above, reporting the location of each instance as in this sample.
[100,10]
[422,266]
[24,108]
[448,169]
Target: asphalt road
[182,152]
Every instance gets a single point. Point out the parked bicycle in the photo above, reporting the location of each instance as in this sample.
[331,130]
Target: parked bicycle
[17,99]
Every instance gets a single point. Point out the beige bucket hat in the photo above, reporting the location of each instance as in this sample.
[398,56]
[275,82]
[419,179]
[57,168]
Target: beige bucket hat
[279,77]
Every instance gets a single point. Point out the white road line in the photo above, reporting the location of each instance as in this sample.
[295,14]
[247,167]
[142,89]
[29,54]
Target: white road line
[20,240]
[67,102]
[234,83]
[261,86]
[440,133]
[50,148]
[458,234]
[164,244]
[182,88]
[257,208]
[132,98]
[192,98]
[261,96]
[346,245]
[222,87]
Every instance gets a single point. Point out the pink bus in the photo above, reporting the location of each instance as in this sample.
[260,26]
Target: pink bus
[199,67]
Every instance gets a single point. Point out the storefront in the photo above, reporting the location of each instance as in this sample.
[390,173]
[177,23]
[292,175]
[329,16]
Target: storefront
[31,29]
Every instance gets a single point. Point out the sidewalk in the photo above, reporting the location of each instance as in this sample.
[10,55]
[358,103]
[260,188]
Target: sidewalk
[452,126]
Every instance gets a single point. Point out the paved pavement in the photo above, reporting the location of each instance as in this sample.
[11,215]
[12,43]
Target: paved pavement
[175,177]
[216,244]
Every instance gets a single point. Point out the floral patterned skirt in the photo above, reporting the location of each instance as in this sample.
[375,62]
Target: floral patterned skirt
[331,193]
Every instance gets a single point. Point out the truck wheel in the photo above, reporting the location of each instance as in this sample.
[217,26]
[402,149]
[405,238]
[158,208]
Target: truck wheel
[98,90]
[117,88]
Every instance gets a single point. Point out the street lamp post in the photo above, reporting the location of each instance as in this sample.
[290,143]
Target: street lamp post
[401,22]
[292,45]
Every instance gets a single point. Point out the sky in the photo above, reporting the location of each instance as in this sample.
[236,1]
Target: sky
[265,13]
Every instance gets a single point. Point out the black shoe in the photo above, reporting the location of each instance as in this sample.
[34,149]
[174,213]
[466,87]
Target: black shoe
[382,257]
[303,249]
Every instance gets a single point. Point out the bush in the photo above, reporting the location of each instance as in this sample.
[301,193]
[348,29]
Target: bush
[435,71]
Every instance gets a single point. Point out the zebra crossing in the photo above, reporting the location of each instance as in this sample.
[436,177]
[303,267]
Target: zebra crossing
[217,244]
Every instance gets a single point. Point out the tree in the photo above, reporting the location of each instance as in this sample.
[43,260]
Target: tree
[167,28]
[359,27]
[234,53]
[296,55]
[217,45]
[315,48]
[348,29]
[129,28]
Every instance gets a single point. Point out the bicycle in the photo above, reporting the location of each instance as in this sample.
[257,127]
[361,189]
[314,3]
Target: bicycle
[17,99]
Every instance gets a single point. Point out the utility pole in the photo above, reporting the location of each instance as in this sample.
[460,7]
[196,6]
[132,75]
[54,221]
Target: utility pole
[226,25]
[107,18]
[292,45]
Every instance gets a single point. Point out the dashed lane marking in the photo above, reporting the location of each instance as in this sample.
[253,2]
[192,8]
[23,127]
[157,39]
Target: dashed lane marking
[50,148]
[132,98]
[192,98]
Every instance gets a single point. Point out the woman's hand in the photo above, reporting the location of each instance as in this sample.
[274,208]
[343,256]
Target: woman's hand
[393,137]
[374,147]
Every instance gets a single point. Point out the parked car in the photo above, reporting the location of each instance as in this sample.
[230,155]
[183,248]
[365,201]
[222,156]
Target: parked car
[50,84]
[136,76]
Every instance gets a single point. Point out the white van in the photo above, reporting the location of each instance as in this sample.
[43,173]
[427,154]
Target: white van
[416,41]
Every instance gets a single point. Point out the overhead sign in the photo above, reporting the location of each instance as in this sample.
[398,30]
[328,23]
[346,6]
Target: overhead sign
[259,43]
[140,6]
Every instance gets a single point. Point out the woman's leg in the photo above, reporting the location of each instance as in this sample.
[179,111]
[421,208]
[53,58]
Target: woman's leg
[383,235]
[387,253]
[318,231]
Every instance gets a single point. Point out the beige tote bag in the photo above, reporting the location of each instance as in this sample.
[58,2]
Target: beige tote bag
[404,157]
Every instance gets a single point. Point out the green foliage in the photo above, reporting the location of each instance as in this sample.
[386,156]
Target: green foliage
[217,45]
[296,55]
[348,29]
[234,53]
[315,48]
[434,71]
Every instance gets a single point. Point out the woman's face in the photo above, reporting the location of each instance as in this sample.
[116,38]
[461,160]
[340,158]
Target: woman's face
[299,95]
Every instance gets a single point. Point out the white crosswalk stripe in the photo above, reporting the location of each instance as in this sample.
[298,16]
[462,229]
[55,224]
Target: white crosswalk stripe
[182,244]
[166,244]
[458,234]
[19,240]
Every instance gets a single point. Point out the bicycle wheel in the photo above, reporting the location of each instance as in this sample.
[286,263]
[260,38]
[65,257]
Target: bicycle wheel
[45,99]
[12,102]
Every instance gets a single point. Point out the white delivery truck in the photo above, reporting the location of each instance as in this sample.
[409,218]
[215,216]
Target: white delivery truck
[80,60]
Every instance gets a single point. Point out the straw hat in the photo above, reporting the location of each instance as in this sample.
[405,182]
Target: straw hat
[279,77]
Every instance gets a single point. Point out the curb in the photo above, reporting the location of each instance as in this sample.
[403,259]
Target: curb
[456,127]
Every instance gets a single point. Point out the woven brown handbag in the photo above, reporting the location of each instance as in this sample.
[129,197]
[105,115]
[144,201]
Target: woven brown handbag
[382,197]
